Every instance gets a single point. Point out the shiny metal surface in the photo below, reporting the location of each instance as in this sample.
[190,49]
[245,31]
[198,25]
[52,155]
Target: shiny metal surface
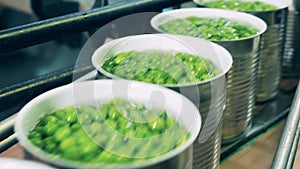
[291,59]
[265,116]
[241,81]
[290,134]
[271,54]
[294,149]
[207,148]
[207,155]
[6,125]
[182,160]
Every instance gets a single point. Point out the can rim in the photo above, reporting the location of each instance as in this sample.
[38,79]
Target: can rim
[240,17]
[222,53]
[280,4]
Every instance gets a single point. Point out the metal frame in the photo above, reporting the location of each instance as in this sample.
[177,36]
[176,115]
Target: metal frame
[46,30]
[287,148]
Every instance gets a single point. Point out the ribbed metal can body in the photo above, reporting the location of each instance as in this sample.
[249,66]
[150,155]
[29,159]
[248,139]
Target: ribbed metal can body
[242,76]
[291,59]
[211,103]
[271,54]
[241,81]
[206,155]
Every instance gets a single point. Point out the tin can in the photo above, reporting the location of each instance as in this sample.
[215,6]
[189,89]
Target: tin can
[272,48]
[80,93]
[241,78]
[209,96]
[291,58]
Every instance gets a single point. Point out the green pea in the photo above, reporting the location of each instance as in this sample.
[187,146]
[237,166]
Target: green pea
[106,157]
[181,55]
[109,65]
[112,123]
[240,5]
[141,131]
[72,154]
[82,136]
[140,74]
[122,123]
[37,141]
[114,113]
[62,122]
[49,119]
[205,77]
[212,29]
[62,133]
[49,140]
[170,122]
[121,57]
[60,114]
[157,125]
[89,148]
[67,143]
[170,81]
[71,115]
[75,127]
[50,128]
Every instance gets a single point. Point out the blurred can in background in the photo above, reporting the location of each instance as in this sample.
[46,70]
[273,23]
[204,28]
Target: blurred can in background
[272,50]
[291,59]
[272,45]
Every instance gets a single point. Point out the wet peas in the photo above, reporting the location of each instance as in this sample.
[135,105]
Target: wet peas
[215,29]
[249,6]
[161,67]
[106,134]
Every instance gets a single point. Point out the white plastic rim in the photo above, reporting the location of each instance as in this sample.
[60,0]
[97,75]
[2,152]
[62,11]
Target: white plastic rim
[239,17]
[280,4]
[169,43]
[63,96]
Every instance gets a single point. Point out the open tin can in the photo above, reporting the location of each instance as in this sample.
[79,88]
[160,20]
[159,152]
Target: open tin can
[89,92]
[272,47]
[208,95]
[241,78]
[291,58]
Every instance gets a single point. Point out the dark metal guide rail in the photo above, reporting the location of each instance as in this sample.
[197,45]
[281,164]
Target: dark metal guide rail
[287,148]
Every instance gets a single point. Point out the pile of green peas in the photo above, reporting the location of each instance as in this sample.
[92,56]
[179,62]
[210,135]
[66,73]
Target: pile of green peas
[160,67]
[249,6]
[87,134]
[215,29]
